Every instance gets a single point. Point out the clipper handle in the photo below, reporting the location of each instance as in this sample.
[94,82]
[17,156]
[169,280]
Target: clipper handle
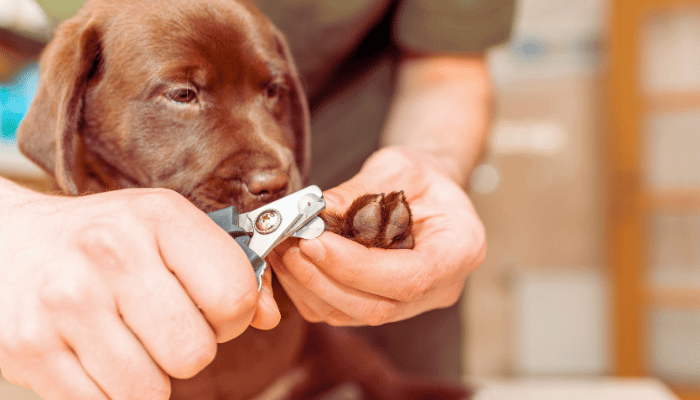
[225,219]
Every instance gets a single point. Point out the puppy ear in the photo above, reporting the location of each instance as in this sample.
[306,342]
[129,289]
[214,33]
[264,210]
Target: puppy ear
[301,120]
[48,134]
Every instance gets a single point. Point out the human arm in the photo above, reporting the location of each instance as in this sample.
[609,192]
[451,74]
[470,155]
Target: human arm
[442,107]
[436,130]
[104,296]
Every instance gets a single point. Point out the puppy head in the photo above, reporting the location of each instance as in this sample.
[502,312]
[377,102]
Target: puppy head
[199,97]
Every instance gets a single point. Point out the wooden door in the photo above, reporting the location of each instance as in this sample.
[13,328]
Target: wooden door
[632,200]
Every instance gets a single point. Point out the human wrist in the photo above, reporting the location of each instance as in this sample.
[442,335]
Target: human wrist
[440,161]
[448,166]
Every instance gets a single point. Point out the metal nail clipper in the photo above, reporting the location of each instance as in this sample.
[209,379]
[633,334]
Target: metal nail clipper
[261,230]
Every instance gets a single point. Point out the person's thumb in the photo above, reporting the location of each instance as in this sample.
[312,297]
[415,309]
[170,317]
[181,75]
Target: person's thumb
[339,198]
[387,170]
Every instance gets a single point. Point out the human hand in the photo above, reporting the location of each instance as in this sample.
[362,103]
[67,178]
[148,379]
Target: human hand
[103,296]
[334,280]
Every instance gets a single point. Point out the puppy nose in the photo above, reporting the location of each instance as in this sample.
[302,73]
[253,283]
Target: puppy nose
[268,184]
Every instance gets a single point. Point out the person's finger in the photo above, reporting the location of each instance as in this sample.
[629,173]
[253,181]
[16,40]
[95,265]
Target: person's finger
[35,356]
[114,359]
[312,307]
[275,262]
[59,375]
[340,198]
[149,299]
[299,298]
[211,266]
[160,313]
[267,314]
[392,274]
[385,171]
[445,250]
[328,300]
[297,293]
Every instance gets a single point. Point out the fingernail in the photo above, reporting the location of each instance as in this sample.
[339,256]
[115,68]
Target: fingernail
[313,249]
[269,299]
[267,315]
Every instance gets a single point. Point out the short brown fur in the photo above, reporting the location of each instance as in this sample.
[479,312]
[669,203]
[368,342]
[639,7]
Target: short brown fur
[202,97]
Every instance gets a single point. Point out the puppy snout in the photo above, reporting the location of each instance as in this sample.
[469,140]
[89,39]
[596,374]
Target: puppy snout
[267,184]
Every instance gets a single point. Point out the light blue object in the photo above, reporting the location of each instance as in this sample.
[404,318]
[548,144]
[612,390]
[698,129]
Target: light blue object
[530,47]
[15,97]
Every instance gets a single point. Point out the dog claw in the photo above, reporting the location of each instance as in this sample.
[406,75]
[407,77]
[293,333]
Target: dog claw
[406,243]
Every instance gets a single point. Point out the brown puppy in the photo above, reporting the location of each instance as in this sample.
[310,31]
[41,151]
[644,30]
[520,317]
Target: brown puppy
[202,97]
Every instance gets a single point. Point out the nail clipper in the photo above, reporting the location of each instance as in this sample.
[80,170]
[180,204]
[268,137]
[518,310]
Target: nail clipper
[261,230]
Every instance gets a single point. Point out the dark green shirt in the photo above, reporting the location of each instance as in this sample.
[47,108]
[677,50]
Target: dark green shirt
[346,50]
[324,33]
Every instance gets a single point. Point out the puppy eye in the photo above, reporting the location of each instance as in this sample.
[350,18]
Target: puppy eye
[182,95]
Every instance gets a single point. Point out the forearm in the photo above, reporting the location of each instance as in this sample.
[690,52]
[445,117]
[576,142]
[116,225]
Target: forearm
[442,107]
[13,195]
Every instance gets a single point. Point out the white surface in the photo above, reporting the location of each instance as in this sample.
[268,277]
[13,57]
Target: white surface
[23,15]
[673,145]
[675,345]
[594,389]
[15,164]
[670,54]
[674,254]
[561,321]
[551,38]
[536,137]
[555,18]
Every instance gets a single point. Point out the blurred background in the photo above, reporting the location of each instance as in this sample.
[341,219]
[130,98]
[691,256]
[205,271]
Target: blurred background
[590,191]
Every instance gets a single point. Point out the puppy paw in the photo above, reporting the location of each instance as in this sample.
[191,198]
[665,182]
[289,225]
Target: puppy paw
[375,220]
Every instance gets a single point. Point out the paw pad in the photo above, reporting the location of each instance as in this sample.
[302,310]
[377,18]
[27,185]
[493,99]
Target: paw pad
[375,220]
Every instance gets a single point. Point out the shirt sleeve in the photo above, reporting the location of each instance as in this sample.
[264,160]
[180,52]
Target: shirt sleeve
[452,26]
[58,11]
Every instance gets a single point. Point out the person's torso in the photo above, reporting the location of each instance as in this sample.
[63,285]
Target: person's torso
[323,33]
